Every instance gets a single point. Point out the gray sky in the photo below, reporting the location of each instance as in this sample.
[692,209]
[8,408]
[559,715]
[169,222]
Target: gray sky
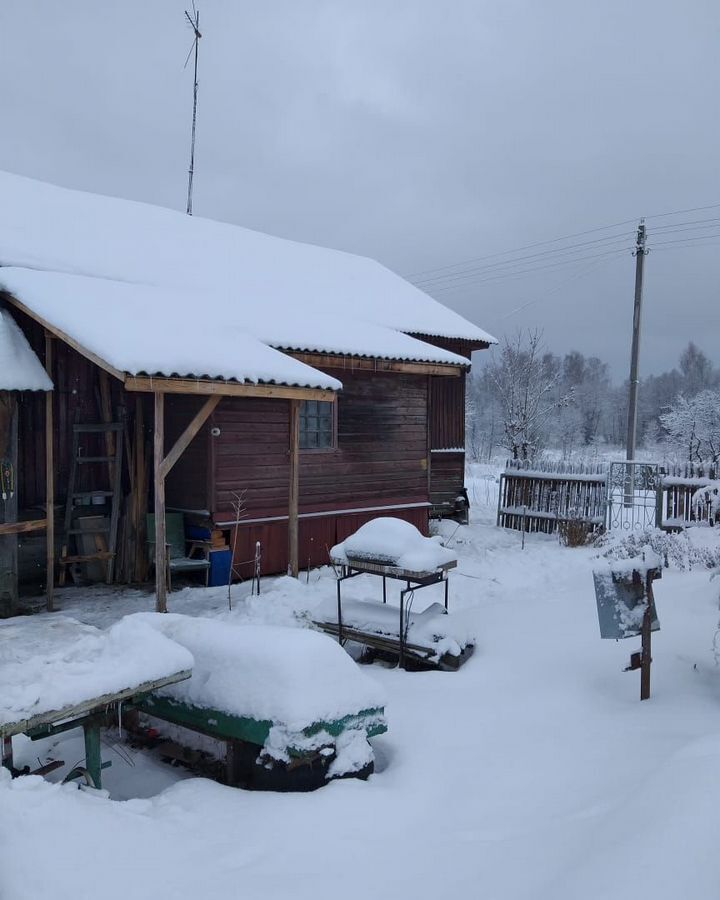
[420,132]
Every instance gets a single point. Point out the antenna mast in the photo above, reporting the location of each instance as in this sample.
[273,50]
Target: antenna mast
[194,21]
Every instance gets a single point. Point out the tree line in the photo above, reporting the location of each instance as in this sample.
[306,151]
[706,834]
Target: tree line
[526,400]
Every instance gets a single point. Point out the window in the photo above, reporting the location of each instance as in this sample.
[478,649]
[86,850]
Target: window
[317,425]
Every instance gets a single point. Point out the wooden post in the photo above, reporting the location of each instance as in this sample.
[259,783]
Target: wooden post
[646,639]
[49,479]
[9,505]
[293,500]
[93,752]
[159,480]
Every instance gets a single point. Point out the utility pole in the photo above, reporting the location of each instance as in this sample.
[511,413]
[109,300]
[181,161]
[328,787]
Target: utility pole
[640,253]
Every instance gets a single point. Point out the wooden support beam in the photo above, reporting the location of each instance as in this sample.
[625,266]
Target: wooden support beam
[159,479]
[225,388]
[106,416]
[63,336]
[49,479]
[365,364]
[9,506]
[294,495]
[182,443]
[23,527]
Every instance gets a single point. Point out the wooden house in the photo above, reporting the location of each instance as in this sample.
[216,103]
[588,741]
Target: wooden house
[196,363]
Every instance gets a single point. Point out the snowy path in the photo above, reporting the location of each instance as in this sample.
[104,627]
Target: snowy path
[534,772]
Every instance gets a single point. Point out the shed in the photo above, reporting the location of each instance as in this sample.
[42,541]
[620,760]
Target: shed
[243,342]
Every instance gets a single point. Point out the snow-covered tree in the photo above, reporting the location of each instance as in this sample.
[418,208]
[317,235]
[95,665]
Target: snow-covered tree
[693,425]
[526,382]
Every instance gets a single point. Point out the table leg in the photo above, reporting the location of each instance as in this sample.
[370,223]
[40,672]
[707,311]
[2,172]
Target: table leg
[7,753]
[93,761]
[339,614]
[401,661]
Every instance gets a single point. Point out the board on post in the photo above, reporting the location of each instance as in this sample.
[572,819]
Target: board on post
[626,608]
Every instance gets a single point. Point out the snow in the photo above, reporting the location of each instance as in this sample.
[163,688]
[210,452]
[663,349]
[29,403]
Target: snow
[533,772]
[625,567]
[393,542]
[432,627]
[134,318]
[289,676]
[706,501]
[20,369]
[281,281]
[48,664]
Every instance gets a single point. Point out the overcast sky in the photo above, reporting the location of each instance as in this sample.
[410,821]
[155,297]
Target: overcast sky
[420,132]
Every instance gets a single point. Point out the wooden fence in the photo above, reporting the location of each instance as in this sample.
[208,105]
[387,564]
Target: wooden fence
[691,495]
[542,499]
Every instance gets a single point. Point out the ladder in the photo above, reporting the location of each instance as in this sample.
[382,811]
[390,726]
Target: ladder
[105,535]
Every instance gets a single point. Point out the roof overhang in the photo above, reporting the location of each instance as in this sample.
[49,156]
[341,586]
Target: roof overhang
[206,387]
[176,385]
[372,364]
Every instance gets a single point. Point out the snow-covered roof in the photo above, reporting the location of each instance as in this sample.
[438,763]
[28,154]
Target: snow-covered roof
[287,294]
[20,369]
[121,322]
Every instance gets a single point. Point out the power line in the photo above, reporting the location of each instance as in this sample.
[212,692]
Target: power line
[498,276]
[586,270]
[681,224]
[417,276]
[698,237]
[475,259]
[680,212]
[543,254]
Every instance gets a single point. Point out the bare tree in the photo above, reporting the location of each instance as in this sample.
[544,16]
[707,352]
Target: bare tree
[526,380]
[693,425]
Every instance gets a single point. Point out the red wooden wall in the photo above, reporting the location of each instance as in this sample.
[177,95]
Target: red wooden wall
[381,459]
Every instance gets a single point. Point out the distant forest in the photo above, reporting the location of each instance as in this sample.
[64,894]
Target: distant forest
[525,401]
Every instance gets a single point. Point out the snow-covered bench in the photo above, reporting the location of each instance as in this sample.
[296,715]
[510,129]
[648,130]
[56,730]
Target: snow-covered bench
[393,548]
[292,709]
[57,673]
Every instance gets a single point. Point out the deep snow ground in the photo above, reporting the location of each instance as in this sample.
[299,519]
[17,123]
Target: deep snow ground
[534,772]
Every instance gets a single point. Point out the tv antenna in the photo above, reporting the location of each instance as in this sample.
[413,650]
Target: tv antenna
[194,21]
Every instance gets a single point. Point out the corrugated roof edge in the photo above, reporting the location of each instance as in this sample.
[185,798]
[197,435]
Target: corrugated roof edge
[456,361]
[487,340]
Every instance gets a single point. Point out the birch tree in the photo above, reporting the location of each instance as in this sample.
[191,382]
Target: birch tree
[526,380]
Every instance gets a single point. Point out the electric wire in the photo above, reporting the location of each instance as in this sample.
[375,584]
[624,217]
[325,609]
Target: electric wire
[521,273]
[542,254]
[418,276]
[586,270]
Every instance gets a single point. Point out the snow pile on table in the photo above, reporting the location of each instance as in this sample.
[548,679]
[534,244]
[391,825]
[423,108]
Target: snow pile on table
[393,542]
[49,664]
[20,369]
[294,678]
[432,628]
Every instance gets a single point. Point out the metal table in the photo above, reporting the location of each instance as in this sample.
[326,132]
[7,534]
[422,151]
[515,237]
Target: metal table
[414,581]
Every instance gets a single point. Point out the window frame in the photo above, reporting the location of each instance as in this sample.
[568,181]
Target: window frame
[333,426]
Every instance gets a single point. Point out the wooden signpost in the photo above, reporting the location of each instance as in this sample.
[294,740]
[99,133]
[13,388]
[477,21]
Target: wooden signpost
[626,608]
